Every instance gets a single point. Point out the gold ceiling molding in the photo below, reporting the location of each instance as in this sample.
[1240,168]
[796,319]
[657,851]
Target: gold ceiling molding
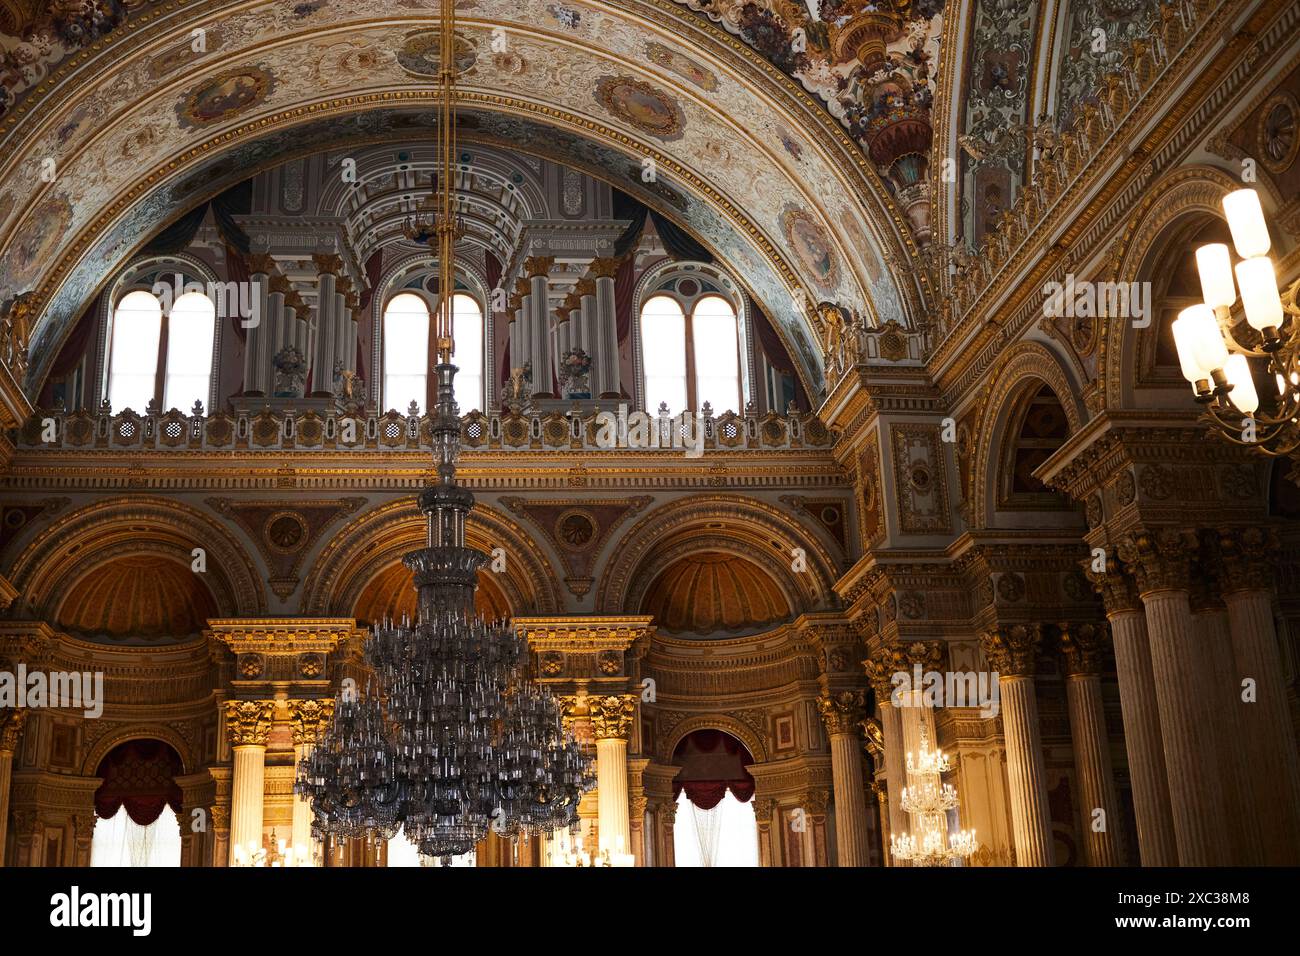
[76,542]
[360,551]
[747,521]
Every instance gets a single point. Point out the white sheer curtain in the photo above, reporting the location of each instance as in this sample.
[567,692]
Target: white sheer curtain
[402,852]
[726,835]
[123,842]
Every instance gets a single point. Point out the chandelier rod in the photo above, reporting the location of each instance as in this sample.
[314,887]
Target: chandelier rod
[444,330]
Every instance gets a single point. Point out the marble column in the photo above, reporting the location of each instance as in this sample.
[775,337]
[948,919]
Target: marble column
[585,290]
[605,360]
[611,722]
[1161,565]
[538,270]
[1268,735]
[1081,645]
[11,726]
[843,714]
[327,334]
[249,724]
[1143,742]
[257,345]
[309,720]
[881,667]
[764,811]
[1012,650]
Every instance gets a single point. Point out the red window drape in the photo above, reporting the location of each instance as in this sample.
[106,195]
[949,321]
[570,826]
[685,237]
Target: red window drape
[141,776]
[712,748]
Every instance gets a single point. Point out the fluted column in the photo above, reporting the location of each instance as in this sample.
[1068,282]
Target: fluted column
[611,722]
[1013,650]
[249,724]
[1143,743]
[843,714]
[1268,736]
[11,726]
[309,720]
[259,339]
[881,667]
[608,375]
[1081,645]
[1161,564]
[538,270]
[585,291]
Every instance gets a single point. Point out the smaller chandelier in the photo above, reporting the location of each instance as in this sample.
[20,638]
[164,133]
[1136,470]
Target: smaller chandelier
[1218,363]
[927,799]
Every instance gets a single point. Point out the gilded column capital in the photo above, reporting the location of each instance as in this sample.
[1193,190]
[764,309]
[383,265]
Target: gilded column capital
[538,266]
[1160,560]
[310,719]
[1115,585]
[11,727]
[881,665]
[1012,649]
[604,267]
[815,801]
[843,712]
[612,716]
[1247,556]
[328,263]
[929,654]
[220,818]
[1084,648]
[763,810]
[585,286]
[249,721]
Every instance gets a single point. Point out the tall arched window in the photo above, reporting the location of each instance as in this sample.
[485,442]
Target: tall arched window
[137,804]
[406,352]
[690,357]
[168,356]
[663,346]
[407,325]
[133,356]
[468,331]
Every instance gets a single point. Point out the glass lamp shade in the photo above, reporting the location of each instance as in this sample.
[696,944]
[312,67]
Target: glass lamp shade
[1259,295]
[1200,344]
[1214,263]
[1246,221]
[1243,394]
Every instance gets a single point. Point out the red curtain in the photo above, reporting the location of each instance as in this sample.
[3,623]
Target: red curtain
[141,776]
[712,749]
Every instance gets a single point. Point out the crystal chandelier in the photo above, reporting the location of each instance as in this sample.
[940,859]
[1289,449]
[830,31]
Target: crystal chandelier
[453,739]
[1215,354]
[927,800]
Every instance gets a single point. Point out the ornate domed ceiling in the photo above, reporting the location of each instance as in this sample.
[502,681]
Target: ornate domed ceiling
[715,593]
[391,594]
[144,598]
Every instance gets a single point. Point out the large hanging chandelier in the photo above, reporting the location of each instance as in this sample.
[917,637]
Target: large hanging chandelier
[1216,353]
[927,800]
[453,738]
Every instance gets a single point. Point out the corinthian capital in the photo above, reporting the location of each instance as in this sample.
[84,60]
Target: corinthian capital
[11,726]
[310,719]
[604,267]
[843,712]
[1084,647]
[1115,585]
[538,266]
[612,716]
[1247,555]
[1012,649]
[249,721]
[1160,560]
[929,654]
[881,666]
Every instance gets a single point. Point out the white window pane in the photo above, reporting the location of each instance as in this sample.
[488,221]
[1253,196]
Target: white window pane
[123,842]
[191,328]
[663,351]
[468,334]
[717,360]
[133,359]
[406,351]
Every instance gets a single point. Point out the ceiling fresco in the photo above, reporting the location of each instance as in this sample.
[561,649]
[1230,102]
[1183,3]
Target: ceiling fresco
[741,168]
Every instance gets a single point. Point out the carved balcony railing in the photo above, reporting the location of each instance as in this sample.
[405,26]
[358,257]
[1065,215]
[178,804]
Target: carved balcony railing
[310,431]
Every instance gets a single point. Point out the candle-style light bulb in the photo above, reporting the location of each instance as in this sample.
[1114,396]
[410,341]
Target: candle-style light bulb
[1214,263]
[1246,222]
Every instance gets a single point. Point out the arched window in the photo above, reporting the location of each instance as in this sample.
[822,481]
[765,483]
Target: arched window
[406,352]
[137,805]
[690,357]
[190,331]
[407,327]
[133,356]
[157,355]
[715,823]
[468,331]
[663,346]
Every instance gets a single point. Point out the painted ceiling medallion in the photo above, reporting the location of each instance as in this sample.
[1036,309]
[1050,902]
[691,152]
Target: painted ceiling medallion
[225,96]
[682,65]
[419,54]
[649,109]
[808,240]
[1278,142]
